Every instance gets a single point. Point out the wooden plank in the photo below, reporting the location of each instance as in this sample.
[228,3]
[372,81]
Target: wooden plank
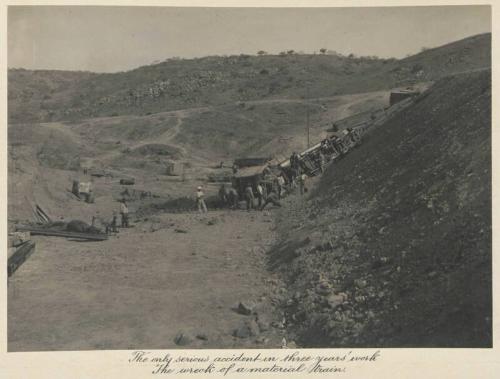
[20,256]
[42,213]
[61,233]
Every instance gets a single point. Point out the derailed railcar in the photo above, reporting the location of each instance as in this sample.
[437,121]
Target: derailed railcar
[312,160]
[267,175]
[245,176]
[252,171]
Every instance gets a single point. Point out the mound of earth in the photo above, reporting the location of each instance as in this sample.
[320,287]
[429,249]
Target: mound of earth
[393,247]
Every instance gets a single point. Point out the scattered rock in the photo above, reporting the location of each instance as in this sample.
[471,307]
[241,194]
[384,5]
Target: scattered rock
[18,238]
[277,300]
[249,328]
[262,340]
[263,323]
[182,339]
[278,325]
[321,289]
[202,336]
[245,308]
[361,283]
[335,301]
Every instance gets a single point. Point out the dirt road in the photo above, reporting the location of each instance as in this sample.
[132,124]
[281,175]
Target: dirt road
[147,285]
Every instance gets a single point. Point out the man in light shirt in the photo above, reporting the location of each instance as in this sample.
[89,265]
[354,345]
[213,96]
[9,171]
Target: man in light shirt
[302,183]
[202,207]
[124,213]
[260,194]
[249,196]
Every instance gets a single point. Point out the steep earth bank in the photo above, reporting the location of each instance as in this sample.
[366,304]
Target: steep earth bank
[393,247]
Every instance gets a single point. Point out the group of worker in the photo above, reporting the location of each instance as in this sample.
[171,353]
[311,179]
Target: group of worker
[111,226]
[264,197]
[228,197]
[124,216]
[271,193]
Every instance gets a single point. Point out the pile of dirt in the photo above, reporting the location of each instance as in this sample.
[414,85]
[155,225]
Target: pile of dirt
[77,226]
[393,247]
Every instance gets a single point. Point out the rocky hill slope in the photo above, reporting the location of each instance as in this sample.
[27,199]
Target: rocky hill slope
[393,247]
[187,83]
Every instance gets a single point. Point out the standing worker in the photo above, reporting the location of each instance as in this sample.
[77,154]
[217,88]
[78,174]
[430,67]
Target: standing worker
[223,195]
[249,196]
[232,197]
[281,184]
[302,182]
[260,194]
[124,213]
[202,207]
[114,223]
[321,161]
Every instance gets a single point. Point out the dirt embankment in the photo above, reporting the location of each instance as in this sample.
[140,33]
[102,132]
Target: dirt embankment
[393,247]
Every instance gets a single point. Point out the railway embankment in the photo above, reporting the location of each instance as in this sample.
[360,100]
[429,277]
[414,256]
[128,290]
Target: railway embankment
[393,245]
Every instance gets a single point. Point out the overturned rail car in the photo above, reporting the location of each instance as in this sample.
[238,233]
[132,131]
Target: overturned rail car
[312,159]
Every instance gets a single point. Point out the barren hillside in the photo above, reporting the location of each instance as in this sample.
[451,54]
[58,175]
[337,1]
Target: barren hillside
[188,83]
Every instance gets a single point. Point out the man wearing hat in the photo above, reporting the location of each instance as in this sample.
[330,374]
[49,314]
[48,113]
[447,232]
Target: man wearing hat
[202,207]
[124,213]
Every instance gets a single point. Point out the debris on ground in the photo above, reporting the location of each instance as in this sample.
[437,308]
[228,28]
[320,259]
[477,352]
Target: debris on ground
[127,181]
[16,257]
[182,339]
[212,221]
[202,336]
[73,229]
[81,227]
[245,308]
[248,328]
[18,238]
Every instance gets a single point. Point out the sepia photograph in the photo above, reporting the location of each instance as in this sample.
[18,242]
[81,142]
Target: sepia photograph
[249,178]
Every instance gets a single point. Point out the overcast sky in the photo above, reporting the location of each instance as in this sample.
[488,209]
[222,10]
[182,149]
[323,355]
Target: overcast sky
[110,39]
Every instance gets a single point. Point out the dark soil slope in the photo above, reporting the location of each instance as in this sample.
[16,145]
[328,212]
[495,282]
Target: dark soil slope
[393,248]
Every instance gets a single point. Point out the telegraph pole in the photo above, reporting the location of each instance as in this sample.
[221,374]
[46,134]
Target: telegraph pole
[307,115]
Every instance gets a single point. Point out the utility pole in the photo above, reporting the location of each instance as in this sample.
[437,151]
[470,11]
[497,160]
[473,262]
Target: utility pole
[307,115]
